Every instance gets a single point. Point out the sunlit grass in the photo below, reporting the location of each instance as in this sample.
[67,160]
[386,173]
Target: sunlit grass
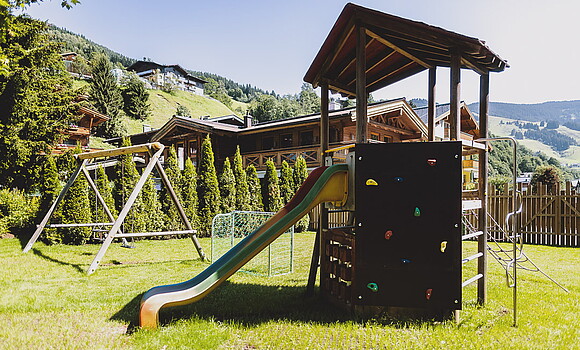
[49,302]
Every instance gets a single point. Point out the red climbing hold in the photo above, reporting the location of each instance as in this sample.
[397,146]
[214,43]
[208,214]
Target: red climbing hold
[388,234]
[432,162]
[428,293]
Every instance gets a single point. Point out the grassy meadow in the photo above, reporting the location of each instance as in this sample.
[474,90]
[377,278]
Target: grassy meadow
[50,303]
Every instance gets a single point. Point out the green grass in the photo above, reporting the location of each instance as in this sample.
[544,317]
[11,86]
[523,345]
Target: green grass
[49,303]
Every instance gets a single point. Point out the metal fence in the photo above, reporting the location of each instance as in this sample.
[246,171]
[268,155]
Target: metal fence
[230,228]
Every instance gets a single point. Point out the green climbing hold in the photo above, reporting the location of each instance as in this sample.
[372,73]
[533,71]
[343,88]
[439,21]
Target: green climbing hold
[373,287]
[417,212]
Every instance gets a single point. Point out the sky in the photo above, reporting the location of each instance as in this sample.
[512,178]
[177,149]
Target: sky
[270,44]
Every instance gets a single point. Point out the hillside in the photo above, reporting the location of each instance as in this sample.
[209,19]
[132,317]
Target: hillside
[561,111]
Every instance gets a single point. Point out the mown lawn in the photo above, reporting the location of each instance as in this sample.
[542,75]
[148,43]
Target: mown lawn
[49,303]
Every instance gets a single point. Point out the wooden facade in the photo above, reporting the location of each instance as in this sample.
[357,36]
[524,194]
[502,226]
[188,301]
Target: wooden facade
[80,131]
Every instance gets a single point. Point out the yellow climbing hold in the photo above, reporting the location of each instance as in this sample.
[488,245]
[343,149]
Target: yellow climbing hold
[443,246]
[371,182]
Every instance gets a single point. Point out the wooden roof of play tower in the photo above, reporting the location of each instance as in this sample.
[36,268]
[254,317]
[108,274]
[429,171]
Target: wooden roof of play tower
[396,48]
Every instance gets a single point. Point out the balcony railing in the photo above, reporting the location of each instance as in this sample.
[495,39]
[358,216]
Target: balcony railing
[258,159]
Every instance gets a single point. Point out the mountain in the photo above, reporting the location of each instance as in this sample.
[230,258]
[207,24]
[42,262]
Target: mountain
[561,111]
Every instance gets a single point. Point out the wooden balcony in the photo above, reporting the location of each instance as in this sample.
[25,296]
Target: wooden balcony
[470,164]
[258,159]
[77,131]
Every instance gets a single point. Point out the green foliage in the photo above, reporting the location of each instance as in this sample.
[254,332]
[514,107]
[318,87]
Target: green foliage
[207,188]
[35,99]
[105,188]
[239,92]
[271,189]
[227,184]
[17,211]
[135,98]
[126,177]
[173,221]
[217,90]
[300,173]
[271,107]
[106,97]
[182,111]
[189,192]
[546,175]
[308,99]
[242,191]
[155,218]
[254,189]
[49,184]
[286,182]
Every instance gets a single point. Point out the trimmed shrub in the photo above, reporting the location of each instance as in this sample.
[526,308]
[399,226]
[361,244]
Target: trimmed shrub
[173,221]
[271,189]
[189,192]
[17,211]
[254,189]
[242,191]
[227,184]
[300,174]
[287,187]
[207,189]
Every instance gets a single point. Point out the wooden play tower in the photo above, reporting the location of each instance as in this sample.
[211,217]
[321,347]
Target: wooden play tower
[367,50]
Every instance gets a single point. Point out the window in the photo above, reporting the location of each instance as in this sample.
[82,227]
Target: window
[388,139]
[181,155]
[268,142]
[193,151]
[306,138]
[375,136]
[334,135]
[286,140]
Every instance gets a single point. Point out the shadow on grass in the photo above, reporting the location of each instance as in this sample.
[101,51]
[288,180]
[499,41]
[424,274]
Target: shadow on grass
[253,304]
[51,259]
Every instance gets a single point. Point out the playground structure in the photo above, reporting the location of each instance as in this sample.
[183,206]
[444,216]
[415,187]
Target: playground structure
[229,229]
[154,151]
[402,248]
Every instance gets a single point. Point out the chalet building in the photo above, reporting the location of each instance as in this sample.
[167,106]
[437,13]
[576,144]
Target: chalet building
[73,67]
[80,131]
[156,76]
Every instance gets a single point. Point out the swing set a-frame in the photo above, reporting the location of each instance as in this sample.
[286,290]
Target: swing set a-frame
[154,150]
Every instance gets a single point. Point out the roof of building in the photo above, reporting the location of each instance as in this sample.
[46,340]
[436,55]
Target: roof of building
[141,66]
[468,122]
[396,48]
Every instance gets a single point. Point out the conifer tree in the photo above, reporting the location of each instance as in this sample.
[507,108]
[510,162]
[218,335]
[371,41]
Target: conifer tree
[154,217]
[106,97]
[49,185]
[104,186]
[227,185]
[254,189]
[300,174]
[242,192]
[135,98]
[189,192]
[286,182]
[207,188]
[75,208]
[125,181]
[173,221]
[271,189]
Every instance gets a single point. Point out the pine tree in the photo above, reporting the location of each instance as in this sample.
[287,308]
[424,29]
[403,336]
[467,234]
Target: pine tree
[286,182]
[135,98]
[227,184]
[254,189]
[271,189]
[173,221]
[300,174]
[207,188]
[75,208]
[125,181]
[189,192]
[242,194]
[106,97]
[49,185]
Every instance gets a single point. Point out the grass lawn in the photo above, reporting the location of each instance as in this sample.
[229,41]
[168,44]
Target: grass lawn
[49,303]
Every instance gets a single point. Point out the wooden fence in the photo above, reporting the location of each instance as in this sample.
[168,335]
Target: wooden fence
[548,217]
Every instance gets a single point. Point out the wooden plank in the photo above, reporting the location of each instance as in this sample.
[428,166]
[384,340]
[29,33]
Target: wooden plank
[361,91]
[121,151]
[455,96]
[400,50]
[431,103]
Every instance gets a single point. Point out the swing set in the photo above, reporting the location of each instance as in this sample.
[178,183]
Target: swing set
[86,160]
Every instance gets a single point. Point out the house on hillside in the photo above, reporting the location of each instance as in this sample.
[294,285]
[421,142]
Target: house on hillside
[80,131]
[158,76]
[77,67]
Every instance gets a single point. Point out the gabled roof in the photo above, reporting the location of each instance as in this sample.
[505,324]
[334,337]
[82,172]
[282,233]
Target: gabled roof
[442,111]
[231,119]
[141,66]
[396,48]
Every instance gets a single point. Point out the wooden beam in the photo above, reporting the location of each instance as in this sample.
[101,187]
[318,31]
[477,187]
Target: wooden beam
[483,158]
[455,86]
[340,87]
[397,48]
[468,62]
[120,151]
[361,86]
[393,128]
[431,103]
[330,58]
[324,118]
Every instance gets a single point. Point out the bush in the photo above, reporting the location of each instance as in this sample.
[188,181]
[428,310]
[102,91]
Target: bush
[17,211]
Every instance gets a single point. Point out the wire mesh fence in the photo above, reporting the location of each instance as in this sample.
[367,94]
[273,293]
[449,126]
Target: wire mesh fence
[230,228]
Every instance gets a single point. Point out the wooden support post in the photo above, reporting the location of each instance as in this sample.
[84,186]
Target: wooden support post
[455,96]
[44,221]
[361,86]
[323,216]
[482,217]
[431,103]
[180,210]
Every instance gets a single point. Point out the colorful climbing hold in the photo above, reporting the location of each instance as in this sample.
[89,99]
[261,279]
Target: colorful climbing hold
[388,234]
[432,162]
[443,246]
[417,212]
[405,261]
[399,179]
[428,293]
[371,182]
[373,287]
